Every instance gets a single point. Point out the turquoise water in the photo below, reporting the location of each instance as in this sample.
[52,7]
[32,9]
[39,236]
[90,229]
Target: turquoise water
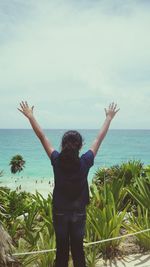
[118,146]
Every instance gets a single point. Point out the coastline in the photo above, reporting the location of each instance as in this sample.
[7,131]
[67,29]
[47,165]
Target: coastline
[43,185]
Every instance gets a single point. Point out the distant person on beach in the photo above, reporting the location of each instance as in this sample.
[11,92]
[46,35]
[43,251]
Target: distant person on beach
[71,192]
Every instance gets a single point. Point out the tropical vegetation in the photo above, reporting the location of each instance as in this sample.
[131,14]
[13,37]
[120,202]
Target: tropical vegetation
[17,163]
[119,203]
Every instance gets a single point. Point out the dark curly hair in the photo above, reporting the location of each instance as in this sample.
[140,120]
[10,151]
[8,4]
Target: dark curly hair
[70,146]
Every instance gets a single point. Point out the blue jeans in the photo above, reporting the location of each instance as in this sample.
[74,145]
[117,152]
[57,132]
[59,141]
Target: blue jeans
[69,230]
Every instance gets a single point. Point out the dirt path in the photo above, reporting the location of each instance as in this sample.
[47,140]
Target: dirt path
[141,260]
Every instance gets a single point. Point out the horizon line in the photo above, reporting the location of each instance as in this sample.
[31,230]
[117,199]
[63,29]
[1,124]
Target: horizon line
[75,128]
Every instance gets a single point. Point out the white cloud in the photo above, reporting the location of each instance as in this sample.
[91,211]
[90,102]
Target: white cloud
[70,58]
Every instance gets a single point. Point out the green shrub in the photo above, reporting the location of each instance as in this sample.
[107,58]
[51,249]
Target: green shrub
[125,171]
[138,222]
[104,221]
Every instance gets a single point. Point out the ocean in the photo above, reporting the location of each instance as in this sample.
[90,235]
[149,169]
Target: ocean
[118,146]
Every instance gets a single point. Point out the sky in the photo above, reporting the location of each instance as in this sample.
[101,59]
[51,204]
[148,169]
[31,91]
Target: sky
[71,58]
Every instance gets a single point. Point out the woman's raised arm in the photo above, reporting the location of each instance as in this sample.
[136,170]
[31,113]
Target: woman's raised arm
[110,113]
[28,112]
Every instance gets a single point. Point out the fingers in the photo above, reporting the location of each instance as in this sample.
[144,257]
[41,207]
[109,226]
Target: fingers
[113,106]
[24,104]
[21,106]
[117,110]
[20,110]
[25,109]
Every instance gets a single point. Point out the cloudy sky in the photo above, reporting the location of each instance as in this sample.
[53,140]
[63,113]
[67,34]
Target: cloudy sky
[71,58]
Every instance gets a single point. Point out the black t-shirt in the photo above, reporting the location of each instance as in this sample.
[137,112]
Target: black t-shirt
[71,190]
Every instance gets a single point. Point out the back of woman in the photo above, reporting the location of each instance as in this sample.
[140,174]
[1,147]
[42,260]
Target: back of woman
[70,173]
[71,192]
[70,197]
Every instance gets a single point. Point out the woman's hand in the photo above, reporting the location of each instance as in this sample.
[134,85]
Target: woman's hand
[111,111]
[26,110]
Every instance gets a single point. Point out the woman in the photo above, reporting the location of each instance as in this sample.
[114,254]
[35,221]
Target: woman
[71,193]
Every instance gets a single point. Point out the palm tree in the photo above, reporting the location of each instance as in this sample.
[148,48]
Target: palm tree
[17,163]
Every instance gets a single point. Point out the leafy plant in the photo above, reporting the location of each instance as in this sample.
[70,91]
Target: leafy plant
[104,221]
[140,222]
[38,232]
[141,192]
[125,171]
[120,177]
[15,204]
[45,208]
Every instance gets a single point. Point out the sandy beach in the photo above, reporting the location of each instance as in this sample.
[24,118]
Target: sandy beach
[42,185]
